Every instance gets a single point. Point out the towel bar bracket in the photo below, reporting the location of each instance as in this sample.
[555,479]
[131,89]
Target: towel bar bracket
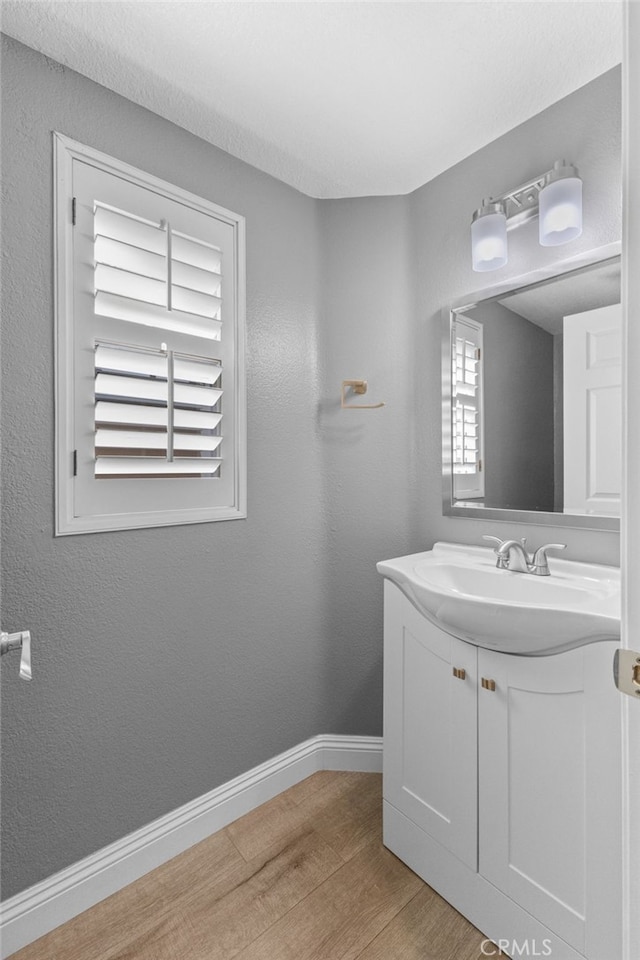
[358,387]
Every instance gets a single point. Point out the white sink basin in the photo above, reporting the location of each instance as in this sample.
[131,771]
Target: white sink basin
[460,589]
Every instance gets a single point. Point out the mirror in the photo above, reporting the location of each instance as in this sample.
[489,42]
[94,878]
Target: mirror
[532,403]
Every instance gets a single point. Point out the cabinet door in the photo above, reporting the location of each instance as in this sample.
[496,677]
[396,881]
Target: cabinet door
[549,791]
[430,727]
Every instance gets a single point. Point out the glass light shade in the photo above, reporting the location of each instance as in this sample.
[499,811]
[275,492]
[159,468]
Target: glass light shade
[489,242]
[560,209]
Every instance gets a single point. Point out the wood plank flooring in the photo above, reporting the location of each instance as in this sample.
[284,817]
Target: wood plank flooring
[303,877]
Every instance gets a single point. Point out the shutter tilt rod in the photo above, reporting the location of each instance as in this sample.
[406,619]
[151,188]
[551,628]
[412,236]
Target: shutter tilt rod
[167,227]
[359,387]
[170,403]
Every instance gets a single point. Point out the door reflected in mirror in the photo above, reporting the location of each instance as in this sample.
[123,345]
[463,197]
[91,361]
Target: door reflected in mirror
[535,412]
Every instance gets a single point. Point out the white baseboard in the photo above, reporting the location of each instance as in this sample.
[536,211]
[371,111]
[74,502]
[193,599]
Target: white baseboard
[41,908]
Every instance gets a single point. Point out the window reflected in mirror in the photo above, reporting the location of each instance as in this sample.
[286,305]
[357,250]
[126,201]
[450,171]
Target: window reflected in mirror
[466,392]
[536,402]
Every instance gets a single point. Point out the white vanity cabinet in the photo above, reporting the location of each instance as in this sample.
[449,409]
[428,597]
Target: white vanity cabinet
[501,786]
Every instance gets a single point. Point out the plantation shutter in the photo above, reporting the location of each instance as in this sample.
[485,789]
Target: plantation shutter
[156,355]
[466,379]
[156,415]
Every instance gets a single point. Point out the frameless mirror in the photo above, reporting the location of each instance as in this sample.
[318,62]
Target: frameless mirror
[532,403]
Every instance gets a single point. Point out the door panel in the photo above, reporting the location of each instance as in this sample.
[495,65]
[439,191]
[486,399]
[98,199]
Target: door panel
[592,411]
[549,794]
[430,758]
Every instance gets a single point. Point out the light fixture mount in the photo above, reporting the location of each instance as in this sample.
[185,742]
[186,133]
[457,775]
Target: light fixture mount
[488,207]
[521,203]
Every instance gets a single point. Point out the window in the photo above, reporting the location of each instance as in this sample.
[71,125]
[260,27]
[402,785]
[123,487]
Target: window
[150,393]
[466,427]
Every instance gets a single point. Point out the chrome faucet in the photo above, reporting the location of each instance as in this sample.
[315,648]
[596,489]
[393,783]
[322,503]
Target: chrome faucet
[512,555]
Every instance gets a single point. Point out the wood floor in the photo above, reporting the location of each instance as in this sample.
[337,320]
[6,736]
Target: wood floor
[303,877]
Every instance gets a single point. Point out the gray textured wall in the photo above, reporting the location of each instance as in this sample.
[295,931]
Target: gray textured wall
[371,477]
[518,410]
[168,661]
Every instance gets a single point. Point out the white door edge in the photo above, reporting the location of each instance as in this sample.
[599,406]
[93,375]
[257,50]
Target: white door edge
[630,520]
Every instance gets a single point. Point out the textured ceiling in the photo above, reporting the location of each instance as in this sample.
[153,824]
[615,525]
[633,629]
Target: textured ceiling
[337,99]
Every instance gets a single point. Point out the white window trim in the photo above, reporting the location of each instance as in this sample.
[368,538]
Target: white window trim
[65,152]
[470,486]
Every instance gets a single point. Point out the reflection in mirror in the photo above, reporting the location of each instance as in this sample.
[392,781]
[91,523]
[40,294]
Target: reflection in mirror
[535,391]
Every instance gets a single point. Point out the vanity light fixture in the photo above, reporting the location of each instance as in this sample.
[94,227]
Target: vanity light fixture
[489,236]
[555,197]
[560,205]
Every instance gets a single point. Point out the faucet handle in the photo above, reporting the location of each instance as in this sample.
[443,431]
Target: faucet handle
[503,561]
[550,546]
[541,567]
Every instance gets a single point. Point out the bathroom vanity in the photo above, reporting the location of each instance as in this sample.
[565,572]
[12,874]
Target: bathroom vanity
[502,767]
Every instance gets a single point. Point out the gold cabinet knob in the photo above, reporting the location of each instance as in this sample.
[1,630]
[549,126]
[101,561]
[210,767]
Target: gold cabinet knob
[488,684]
[459,672]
